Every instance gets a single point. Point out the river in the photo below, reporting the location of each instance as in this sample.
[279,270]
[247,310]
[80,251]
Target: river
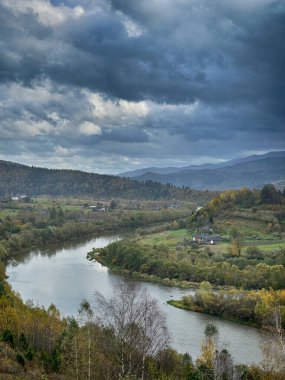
[64,276]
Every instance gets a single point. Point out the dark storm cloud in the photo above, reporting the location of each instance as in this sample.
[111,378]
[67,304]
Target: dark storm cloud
[237,51]
[19,59]
[164,63]
[195,76]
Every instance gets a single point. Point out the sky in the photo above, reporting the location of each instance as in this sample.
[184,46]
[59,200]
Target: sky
[114,85]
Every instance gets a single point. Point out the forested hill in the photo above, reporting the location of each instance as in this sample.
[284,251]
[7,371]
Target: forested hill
[31,181]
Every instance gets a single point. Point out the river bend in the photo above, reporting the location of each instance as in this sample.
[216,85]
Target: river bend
[64,276]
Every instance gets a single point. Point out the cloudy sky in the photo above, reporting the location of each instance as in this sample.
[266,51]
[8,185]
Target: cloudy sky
[114,85]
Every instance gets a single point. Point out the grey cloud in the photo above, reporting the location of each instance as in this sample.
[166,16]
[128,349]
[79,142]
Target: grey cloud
[126,135]
[166,63]
[19,61]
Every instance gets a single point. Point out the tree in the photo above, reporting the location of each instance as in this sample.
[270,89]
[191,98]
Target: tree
[274,349]
[86,315]
[113,204]
[270,195]
[53,213]
[209,347]
[235,234]
[3,252]
[224,366]
[134,329]
[2,272]
[235,249]
[253,253]
[211,330]
[281,257]
[204,294]
[245,198]
[69,348]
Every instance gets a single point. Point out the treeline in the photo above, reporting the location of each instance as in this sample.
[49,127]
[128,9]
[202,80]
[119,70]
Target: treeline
[36,228]
[127,339]
[246,198]
[29,335]
[253,307]
[160,261]
[32,181]
[228,201]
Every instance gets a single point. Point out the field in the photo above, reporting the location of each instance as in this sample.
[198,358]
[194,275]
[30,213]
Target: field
[264,242]
[171,238]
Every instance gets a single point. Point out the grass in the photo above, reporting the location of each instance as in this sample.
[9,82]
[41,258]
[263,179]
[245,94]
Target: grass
[268,243]
[170,238]
[271,246]
[246,228]
[218,248]
[263,246]
[6,212]
[179,305]
[65,204]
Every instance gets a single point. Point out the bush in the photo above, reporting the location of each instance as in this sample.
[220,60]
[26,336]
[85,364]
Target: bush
[20,360]
[7,337]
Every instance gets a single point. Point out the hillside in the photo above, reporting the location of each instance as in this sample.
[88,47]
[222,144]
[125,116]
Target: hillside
[253,174]
[232,251]
[32,181]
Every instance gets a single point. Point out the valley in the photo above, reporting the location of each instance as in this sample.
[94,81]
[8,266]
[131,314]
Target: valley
[218,265]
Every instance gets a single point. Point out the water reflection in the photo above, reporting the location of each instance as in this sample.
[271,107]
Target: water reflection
[50,251]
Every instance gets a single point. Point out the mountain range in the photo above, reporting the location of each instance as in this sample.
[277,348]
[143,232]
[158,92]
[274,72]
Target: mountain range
[252,171]
[17,179]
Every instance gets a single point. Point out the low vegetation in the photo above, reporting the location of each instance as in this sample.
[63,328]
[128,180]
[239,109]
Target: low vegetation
[252,307]
[188,266]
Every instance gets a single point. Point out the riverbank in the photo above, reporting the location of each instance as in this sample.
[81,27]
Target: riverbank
[155,280]
[178,304]
[152,278]
[189,265]
[257,323]
[255,308]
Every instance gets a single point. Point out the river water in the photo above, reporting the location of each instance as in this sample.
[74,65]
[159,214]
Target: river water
[64,276]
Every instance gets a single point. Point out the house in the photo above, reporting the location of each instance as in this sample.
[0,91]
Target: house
[97,209]
[214,239]
[206,239]
[173,206]
[21,197]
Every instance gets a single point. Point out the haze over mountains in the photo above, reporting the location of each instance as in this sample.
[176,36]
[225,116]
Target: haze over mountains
[253,171]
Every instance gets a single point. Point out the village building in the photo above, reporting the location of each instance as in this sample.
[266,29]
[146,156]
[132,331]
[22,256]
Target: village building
[206,239]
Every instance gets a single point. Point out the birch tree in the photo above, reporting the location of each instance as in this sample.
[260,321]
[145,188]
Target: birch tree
[86,316]
[134,329]
[274,348]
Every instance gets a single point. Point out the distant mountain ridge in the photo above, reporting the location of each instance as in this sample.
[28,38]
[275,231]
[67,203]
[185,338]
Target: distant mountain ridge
[173,169]
[252,172]
[32,181]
